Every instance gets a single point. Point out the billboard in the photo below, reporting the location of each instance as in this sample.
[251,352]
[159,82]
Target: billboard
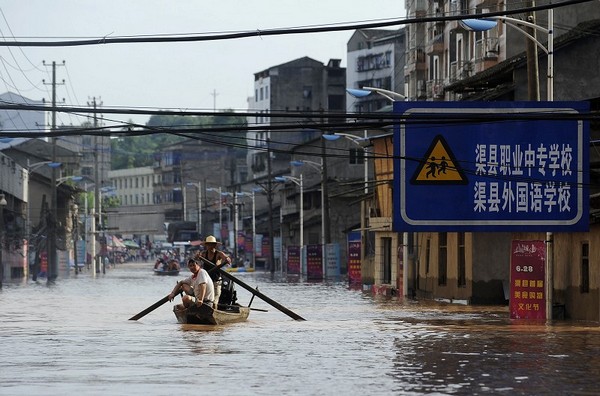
[527,280]
[491,166]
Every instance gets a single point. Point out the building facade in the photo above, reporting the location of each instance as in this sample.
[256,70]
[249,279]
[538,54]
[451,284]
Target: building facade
[448,61]
[375,59]
[297,92]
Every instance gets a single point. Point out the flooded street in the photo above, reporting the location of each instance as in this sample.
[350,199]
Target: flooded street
[75,338]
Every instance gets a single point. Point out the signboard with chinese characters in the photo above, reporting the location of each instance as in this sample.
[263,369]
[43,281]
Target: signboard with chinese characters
[293,260]
[354,245]
[332,262]
[314,262]
[527,280]
[491,166]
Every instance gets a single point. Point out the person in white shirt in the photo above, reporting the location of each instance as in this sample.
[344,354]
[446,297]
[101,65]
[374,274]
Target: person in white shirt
[197,289]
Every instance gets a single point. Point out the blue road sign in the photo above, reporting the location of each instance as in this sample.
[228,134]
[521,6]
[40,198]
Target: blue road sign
[491,166]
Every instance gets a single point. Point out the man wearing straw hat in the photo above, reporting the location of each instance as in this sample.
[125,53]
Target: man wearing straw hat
[214,258]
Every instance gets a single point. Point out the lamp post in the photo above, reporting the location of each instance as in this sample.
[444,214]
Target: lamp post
[488,23]
[391,96]
[198,187]
[75,212]
[235,216]
[298,181]
[480,25]
[218,190]
[253,197]
[361,142]
[3,203]
[318,166]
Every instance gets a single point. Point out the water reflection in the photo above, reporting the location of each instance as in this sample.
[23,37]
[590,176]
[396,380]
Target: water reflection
[74,337]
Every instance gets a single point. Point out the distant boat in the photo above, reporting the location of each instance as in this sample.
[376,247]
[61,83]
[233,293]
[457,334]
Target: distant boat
[167,272]
[239,269]
[207,315]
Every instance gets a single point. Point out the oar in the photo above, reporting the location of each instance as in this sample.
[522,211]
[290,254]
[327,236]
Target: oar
[150,308]
[255,292]
[164,300]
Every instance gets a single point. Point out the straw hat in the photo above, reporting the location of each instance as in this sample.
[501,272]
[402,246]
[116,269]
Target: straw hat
[210,239]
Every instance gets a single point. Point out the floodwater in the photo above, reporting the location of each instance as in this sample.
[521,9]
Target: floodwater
[75,338]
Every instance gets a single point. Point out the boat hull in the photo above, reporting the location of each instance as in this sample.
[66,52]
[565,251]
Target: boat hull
[166,273]
[206,315]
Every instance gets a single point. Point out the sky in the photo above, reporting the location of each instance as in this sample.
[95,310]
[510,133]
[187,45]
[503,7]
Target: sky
[196,75]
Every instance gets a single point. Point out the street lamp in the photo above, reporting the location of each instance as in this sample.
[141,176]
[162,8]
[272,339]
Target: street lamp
[366,91]
[480,25]
[3,203]
[233,240]
[61,180]
[488,23]
[198,187]
[218,190]
[298,181]
[253,197]
[318,166]
[391,96]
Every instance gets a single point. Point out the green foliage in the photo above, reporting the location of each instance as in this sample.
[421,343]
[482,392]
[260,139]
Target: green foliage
[137,151]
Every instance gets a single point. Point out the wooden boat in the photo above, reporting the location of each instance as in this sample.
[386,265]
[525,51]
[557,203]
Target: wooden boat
[166,272]
[239,269]
[207,315]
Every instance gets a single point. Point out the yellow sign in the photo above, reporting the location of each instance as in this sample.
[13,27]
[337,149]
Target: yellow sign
[439,166]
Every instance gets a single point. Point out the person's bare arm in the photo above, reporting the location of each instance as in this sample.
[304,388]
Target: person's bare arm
[200,293]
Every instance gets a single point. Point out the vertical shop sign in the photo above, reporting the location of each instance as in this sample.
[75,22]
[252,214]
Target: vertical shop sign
[293,260]
[527,280]
[314,262]
[354,274]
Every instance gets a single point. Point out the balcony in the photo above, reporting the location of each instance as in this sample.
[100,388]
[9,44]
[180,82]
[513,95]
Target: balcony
[461,70]
[436,45]
[415,60]
[435,89]
[487,48]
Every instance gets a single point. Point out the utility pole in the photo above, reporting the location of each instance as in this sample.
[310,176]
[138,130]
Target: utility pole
[533,81]
[270,202]
[96,207]
[214,94]
[51,241]
[325,221]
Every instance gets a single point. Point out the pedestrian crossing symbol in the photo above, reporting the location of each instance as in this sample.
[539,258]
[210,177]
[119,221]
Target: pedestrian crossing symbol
[439,166]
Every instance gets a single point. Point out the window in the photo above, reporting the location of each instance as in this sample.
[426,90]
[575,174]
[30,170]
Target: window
[443,259]
[585,267]
[462,275]
[357,156]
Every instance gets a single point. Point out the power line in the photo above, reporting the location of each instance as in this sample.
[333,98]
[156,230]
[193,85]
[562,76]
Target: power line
[276,32]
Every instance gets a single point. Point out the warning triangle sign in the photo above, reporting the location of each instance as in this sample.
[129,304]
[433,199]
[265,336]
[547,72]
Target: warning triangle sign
[439,166]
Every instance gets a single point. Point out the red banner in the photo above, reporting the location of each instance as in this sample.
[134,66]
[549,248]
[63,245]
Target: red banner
[354,273]
[293,260]
[527,280]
